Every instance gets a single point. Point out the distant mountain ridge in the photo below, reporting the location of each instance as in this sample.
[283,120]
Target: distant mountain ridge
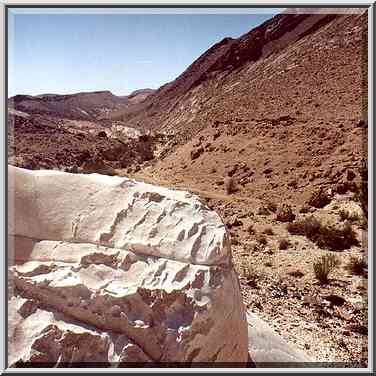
[79,106]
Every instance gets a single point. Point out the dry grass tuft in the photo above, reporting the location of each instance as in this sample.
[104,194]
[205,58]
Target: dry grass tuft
[284,244]
[356,265]
[262,239]
[346,215]
[230,185]
[324,266]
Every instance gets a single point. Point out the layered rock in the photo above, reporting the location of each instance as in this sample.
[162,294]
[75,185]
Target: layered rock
[109,271]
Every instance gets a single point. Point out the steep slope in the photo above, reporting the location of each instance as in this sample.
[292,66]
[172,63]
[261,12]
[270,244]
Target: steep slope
[220,61]
[283,125]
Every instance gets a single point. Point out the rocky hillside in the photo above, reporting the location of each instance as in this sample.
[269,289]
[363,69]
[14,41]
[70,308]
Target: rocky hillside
[270,129]
[45,142]
[275,139]
[188,98]
[284,118]
[73,132]
[81,106]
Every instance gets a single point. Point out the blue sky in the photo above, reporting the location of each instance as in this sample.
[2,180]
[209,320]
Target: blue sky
[52,52]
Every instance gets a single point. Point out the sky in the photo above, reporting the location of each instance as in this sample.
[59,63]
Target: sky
[67,51]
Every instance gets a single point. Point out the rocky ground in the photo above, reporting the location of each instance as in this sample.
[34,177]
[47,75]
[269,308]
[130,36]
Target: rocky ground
[41,142]
[326,320]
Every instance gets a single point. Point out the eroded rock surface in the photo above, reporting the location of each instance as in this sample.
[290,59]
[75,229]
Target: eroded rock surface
[106,270]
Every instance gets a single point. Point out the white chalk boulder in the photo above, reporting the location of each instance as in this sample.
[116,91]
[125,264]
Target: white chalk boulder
[106,270]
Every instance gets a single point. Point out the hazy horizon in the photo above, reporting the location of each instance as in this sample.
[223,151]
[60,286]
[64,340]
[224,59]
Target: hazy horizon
[65,53]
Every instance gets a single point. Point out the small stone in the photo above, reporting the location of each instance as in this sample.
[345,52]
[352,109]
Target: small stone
[196,153]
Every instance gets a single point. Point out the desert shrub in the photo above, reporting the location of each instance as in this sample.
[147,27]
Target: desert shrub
[268,231]
[356,265]
[284,244]
[251,230]
[285,214]
[320,198]
[325,236]
[307,227]
[263,210]
[230,185]
[336,238]
[262,240]
[348,215]
[271,206]
[324,266]
[248,271]
[304,209]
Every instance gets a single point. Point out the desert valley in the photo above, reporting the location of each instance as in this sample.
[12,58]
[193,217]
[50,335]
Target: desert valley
[237,191]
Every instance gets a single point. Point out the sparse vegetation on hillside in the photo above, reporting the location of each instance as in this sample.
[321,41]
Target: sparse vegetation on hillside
[324,266]
[356,265]
[292,143]
[285,214]
[249,272]
[284,244]
[320,198]
[325,235]
[348,215]
[230,185]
